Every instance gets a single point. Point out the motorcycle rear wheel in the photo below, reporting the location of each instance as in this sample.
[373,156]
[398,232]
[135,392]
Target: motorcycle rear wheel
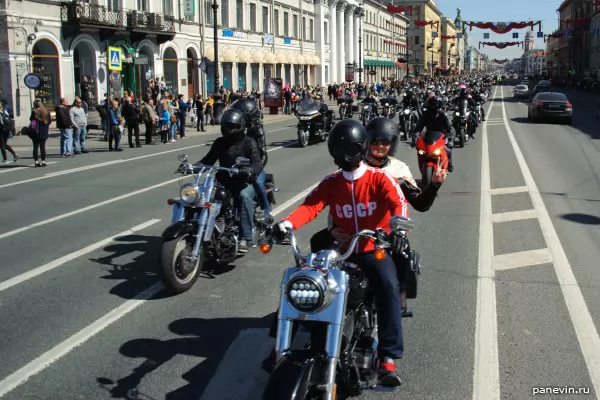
[172,253]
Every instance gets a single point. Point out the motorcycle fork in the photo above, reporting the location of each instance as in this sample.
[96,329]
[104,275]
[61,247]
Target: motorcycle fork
[201,226]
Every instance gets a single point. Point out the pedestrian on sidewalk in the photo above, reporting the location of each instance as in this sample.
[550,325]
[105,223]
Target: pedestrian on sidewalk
[116,128]
[131,114]
[42,119]
[149,118]
[79,118]
[199,104]
[65,126]
[183,109]
[5,129]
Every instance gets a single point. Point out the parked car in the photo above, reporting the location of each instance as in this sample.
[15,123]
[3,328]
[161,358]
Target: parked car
[521,90]
[550,106]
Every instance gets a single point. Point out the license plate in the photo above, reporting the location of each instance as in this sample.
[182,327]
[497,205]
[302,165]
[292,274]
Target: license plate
[554,106]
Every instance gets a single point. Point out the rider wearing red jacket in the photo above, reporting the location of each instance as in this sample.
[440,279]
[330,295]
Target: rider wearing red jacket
[361,197]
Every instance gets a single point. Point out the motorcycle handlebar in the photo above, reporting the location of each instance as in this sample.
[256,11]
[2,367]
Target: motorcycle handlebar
[200,168]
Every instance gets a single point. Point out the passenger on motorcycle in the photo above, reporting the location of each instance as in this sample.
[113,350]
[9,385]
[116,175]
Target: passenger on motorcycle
[360,197]
[436,120]
[383,140]
[234,143]
[254,130]
[463,95]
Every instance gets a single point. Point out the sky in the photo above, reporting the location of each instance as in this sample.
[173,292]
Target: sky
[503,11]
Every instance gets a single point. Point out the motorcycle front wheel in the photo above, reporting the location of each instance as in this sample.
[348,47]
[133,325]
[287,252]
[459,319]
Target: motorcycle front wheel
[178,272]
[303,138]
[427,175]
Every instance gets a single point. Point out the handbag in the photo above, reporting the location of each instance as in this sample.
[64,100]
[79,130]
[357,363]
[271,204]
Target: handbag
[173,118]
[33,131]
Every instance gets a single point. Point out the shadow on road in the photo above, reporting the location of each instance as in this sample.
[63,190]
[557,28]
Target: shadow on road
[206,339]
[521,120]
[586,219]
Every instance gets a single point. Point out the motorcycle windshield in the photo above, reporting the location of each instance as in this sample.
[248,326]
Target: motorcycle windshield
[430,137]
[308,107]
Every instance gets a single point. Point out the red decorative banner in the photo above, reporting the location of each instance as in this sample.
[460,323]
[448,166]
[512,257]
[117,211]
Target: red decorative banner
[423,23]
[500,61]
[503,27]
[577,21]
[403,9]
[447,37]
[499,45]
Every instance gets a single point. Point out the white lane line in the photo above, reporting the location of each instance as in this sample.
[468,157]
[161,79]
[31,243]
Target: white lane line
[93,206]
[486,370]
[514,216]
[521,259]
[18,377]
[586,331]
[104,164]
[509,190]
[34,367]
[71,256]
[20,168]
[84,209]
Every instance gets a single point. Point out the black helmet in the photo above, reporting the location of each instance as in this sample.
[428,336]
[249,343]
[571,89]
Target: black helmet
[463,92]
[247,106]
[409,92]
[232,123]
[432,103]
[383,130]
[347,143]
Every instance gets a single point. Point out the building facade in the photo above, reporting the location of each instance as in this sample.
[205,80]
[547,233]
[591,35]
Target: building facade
[426,40]
[63,42]
[448,63]
[573,60]
[595,46]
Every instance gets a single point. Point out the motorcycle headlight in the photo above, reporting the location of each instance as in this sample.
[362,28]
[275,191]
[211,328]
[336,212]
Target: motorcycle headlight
[421,152]
[365,107]
[189,193]
[457,114]
[387,104]
[437,152]
[406,112]
[305,294]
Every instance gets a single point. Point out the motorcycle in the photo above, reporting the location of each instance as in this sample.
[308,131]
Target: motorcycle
[408,120]
[314,121]
[367,113]
[333,301]
[461,123]
[346,107]
[389,105]
[431,153]
[204,225]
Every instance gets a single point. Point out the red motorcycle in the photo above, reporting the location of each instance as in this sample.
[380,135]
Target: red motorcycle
[431,154]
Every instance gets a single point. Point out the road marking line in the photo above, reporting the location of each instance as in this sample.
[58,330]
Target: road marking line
[20,168]
[586,332]
[522,259]
[486,370]
[71,256]
[34,367]
[513,216]
[509,190]
[37,365]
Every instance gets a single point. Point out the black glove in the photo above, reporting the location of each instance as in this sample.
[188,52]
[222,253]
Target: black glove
[245,173]
[279,232]
[398,240]
[450,143]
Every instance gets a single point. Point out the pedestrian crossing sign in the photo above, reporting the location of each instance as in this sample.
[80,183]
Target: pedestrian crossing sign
[114,59]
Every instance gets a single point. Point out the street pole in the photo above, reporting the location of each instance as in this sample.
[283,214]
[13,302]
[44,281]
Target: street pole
[218,104]
[108,105]
[360,52]
[201,23]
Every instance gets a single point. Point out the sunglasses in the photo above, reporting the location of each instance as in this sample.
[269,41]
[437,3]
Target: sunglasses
[381,142]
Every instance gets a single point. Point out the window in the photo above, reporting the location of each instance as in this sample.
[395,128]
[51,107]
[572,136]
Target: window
[113,5]
[276,22]
[142,5]
[295,32]
[304,35]
[265,19]
[168,7]
[208,12]
[252,17]
[239,12]
[417,39]
[326,31]
[225,13]
[312,29]
[286,23]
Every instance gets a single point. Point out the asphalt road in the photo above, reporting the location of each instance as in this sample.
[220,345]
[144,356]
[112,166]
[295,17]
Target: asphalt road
[508,299]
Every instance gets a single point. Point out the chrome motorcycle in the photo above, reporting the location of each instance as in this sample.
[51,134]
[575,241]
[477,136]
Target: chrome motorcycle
[332,301]
[314,121]
[204,225]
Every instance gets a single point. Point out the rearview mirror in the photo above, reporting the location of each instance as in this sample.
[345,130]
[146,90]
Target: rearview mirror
[183,158]
[242,161]
[398,223]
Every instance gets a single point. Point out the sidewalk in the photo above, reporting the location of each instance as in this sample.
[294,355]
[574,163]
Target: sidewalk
[94,135]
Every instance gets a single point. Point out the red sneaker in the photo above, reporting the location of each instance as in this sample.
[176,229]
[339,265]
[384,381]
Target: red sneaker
[387,373]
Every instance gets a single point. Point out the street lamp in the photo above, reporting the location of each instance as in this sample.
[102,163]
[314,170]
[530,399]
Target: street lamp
[361,13]
[218,104]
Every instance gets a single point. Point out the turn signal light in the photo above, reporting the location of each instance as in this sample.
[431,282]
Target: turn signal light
[539,104]
[170,202]
[380,254]
[265,248]
[207,205]
[569,106]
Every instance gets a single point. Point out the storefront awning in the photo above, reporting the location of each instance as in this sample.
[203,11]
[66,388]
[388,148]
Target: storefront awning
[228,55]
[298,59]
[308,59]
[316,60]
[209,52]
[244,56]
[257,56]
[270,58]
[280,57]
[378,63]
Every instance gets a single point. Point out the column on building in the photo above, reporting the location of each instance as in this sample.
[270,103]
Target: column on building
[320,11]
[333,42]
[341,43]
[351,40]
[355,35]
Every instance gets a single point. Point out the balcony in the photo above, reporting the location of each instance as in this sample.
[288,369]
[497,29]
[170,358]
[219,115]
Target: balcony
[79,16]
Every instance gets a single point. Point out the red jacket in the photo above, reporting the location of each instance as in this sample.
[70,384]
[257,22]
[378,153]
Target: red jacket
[362,199]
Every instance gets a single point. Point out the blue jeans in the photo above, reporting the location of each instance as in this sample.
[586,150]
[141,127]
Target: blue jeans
[182,118]
[259,187]
[66,141]
[79,138]
[172,131]
[244,198]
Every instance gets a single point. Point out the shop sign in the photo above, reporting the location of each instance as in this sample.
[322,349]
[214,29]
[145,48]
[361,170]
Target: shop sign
[141,60]
[33,81]
[234,34]
[188,8]
[288,41]
[349,72]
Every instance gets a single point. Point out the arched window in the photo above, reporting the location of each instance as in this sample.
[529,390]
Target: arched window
[170,64]
[45,63]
